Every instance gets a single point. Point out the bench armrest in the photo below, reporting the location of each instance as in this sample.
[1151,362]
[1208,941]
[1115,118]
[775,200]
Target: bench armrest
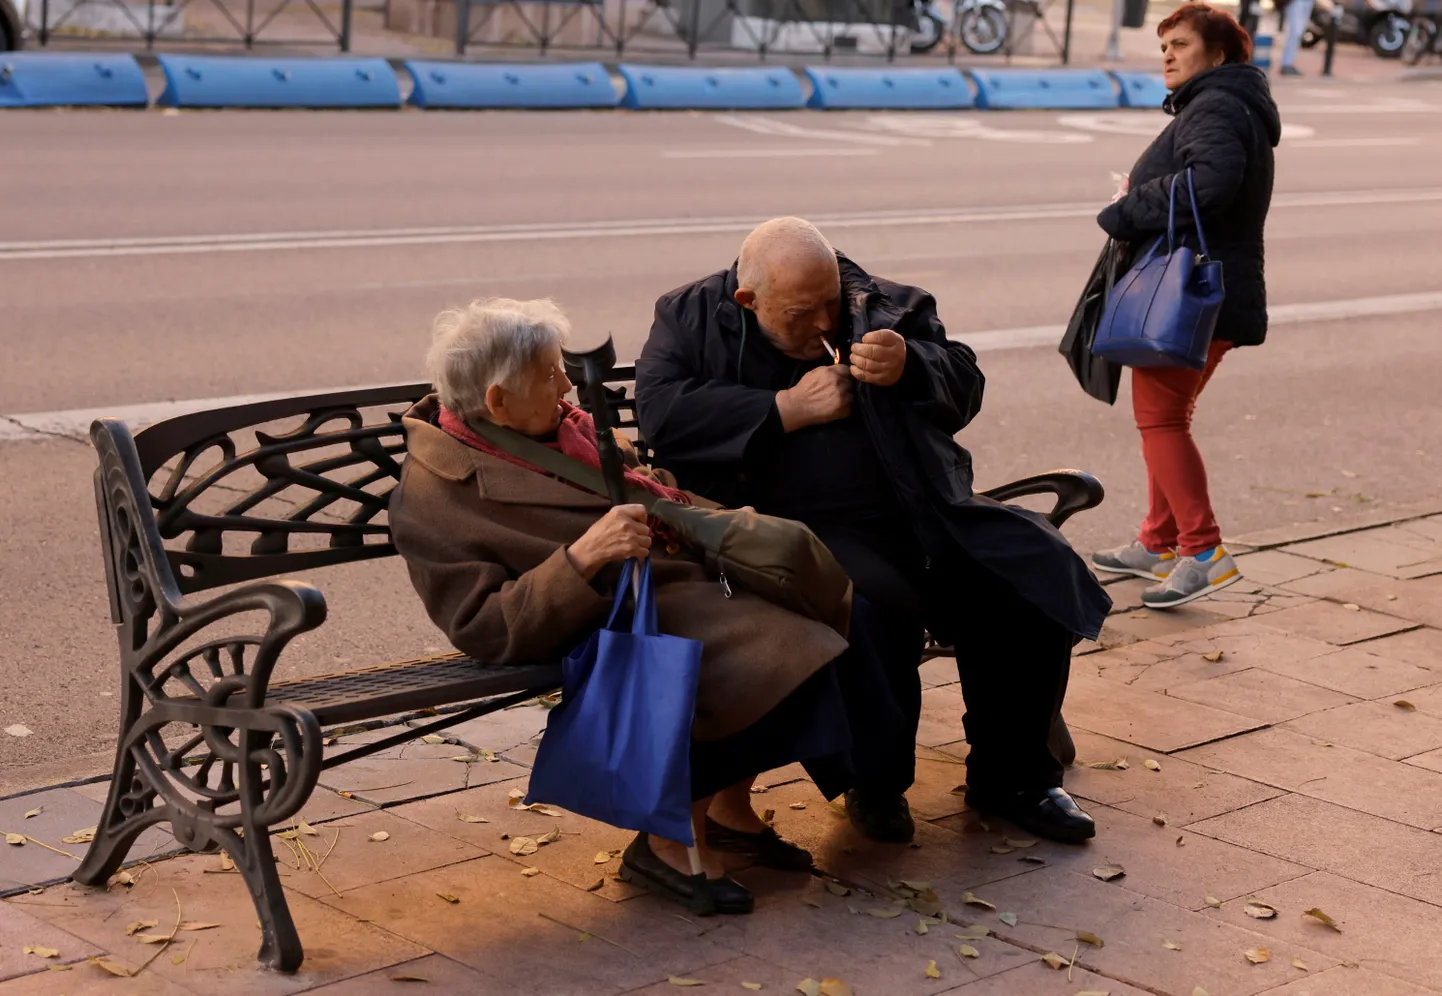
[1075,490]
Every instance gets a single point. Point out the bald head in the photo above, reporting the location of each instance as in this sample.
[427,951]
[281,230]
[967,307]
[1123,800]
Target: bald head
[787,275]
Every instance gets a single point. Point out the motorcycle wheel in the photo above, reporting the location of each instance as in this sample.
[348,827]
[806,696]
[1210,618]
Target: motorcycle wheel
[928,34]
[982,30]
[1419,42]
[1388,36]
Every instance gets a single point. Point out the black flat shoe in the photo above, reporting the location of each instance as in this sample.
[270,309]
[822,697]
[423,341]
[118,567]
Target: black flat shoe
[1048,812]
[765,847]
[882,818]
[702,896]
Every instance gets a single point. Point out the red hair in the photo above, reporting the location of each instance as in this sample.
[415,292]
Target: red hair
[1218,30]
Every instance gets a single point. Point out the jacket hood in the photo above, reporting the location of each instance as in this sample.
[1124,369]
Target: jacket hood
[1245,81]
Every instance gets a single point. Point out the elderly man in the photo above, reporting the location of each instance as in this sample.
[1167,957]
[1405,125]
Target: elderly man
[797,383]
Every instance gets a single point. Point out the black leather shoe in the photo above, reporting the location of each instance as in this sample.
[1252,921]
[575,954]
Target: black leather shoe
[702,896]
[764,847]
[1047,812]
[882,818]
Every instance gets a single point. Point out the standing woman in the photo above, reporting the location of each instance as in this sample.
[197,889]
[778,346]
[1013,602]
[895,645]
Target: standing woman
[1224,128]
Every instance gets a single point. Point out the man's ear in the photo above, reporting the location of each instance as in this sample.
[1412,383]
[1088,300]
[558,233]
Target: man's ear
[496,401]
[746,297]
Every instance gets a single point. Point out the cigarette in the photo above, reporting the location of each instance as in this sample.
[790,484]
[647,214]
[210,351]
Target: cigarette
[830,349]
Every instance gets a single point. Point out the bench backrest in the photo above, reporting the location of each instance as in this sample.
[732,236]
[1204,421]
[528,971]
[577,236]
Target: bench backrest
[275,487]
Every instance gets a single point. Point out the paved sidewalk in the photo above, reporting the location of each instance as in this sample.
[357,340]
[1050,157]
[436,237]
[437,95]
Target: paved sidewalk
[1265,769]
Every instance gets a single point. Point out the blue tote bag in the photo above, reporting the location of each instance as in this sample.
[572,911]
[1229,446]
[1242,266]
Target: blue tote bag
[618,747]
[1163,312]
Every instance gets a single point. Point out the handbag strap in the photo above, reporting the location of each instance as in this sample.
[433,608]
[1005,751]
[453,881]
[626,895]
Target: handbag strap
[1196,215]
[553,462]
[1189,173]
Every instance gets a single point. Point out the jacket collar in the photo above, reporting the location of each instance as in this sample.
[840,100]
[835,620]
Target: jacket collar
[859,293]
[496,480]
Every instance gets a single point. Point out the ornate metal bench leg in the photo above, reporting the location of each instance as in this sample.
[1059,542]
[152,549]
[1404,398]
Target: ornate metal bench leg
[130,808]
[1061,744]
[280,946]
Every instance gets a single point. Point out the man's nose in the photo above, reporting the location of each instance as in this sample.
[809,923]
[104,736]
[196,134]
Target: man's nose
[825,323]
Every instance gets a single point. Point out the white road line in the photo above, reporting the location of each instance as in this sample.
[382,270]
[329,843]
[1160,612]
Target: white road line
[761,153]
[1352,143]
[619,228]
[76,422]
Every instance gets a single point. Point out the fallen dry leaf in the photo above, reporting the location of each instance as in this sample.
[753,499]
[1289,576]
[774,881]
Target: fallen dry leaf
[1260,911]
[131,929]
[153,938]
[524,846]
[121,877]
[1170,946]
[18,730]
[470,818]
[409,978]
[596,886]
[1007,918]
[1258,955]
[85,836]
[755,987]
[884,913]
[1214,656]
[1213,902]
[379,836]
[550,836]
[226,862]
[834,987]
[14,838]
[1024,842]
[307,829]
[30,814]
[530,872]
[1199,991]
[489,755]
[1032,859]
[1151,765]
[1055,960]
[974,932]
[1181,842]
[970,899]
[1159,820]
[1095,992]
[797,805]
[41,952]
[514,797]
[113,967]
[448,897]
[1321,917]
[767,816]
[932,972]
[810,987]
[967,951]
[1120,764]
[1351,606]
[1405,706]
[1108,873]
[677,980]
[433,738]
[1001,849]
[925,924]
[1297,963]
[1087,937]
[602,857]
[836,888]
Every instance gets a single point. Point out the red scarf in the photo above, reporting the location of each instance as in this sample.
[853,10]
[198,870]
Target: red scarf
[575,437]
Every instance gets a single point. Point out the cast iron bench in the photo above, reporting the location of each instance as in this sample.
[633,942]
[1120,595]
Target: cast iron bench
[235,498]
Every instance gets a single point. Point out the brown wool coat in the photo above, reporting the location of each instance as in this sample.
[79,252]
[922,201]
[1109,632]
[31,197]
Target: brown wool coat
[484,541]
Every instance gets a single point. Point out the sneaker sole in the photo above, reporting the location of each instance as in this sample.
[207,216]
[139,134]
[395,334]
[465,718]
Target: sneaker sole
[1135,572]
[1203,593]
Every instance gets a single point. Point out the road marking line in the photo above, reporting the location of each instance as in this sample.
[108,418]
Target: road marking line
[1352,143]
[761,153]
[628,228]
[75,422]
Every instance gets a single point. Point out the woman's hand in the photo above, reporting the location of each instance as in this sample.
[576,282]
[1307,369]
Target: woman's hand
[619,535]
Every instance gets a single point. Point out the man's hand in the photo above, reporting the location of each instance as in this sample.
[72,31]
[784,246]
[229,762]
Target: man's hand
[879,358]
[822,395]
[619,535]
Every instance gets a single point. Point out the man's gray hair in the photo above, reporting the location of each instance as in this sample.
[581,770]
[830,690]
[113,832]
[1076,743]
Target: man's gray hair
[780,241]
[490,341]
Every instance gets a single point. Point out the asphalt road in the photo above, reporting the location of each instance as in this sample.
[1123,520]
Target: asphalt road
[159,257]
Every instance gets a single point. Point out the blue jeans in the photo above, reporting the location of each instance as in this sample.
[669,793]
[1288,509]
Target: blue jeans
[1299,14]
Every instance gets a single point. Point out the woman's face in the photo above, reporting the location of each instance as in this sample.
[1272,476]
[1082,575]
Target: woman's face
[535,408]
[1184,55]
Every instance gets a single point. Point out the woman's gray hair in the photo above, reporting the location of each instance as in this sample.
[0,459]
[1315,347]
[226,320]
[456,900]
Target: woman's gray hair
[490,341]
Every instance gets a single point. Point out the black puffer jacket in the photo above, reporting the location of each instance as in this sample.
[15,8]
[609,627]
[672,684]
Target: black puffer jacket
[1226,126]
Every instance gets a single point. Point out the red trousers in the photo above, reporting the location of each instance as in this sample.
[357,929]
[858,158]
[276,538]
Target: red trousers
[1179,509]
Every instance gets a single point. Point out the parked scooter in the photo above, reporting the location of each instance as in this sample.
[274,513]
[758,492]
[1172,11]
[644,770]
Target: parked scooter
[1422,39]
[1381,24]
[980,25]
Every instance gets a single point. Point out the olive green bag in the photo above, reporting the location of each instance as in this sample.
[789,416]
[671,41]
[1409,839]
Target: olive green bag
[780,560]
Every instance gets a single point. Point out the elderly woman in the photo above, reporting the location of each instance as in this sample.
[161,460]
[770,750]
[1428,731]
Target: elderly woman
[516,566]
[1224,129]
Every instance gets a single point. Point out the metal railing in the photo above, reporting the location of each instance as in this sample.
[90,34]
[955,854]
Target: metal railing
[156,22]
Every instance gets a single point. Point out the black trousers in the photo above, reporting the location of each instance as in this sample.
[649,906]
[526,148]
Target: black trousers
[1013,661]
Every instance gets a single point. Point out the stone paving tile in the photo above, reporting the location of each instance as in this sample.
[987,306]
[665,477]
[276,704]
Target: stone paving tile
[1391,551]
[414,771]
[502,730]
[1157,866]
[1261,695]
[1347,777]
[1383,932]
[1144,624]
[730,974]
[1147,719]
[62,812]
[1123,663]
[1183,791]
[1419,601]
[1039,980]
[1054,903]
[931,796]
[1427,700]
[1377,515]
[497,929]
[1347,981]
[1273,567]
[941,712]
[1356,671]
[1331,581]
[1422,647]
[780,776]
[1254,643]
[222,960]
[1334,624]
[939,671]
[19,926]
[352,859]
[1379,728]
[572,859]
[1432,761]
[86,980]
[1176,671]
[1355,845]
[441,974]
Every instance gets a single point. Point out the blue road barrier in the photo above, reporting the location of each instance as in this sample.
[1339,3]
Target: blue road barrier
[481,85]
[672,88]
[224,81]
[1141,89]
[49,79]
[1262,51]
[898,89]
[1044,89]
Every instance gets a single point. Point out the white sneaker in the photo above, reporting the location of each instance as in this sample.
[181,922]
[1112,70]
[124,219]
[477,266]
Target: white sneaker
[1135,559]
[1192,579]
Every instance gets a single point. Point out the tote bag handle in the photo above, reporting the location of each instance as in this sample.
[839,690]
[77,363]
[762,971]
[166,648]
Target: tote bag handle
[1196,215]
[635,583]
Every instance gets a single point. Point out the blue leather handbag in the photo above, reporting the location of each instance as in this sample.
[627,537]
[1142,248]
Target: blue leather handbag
[1163,311]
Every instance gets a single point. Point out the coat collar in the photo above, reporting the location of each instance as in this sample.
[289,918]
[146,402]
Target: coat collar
[859,291]
[496,480]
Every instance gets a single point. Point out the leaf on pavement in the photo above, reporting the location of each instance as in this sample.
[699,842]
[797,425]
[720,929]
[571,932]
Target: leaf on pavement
[1108,873]
[1199,991]
[121,877]
[153,938]
[193,925]
[226,862]
[926,923]
[530,872]
[307,829]
[1320,917]
[1120,764]
[1351,606]
[596,886]
[602,857]
[1152,765]
[834,987]
[514,797]
[489,755]
[1012,842]
[1055,960]
[1008,918]
[113,967]
[755,987]
[932,972]
[885,914]
[470,818]
[131,929]
[1214,656]
[80,836]
[30,814]
[1159,820]
[15,838]
[41,952]
[809,987]
[448,897]
[1260,911]
[1213,902]
[974,932]
[677,980]
[19,730]
[1001,849]
[1297,963]
[1258,955]
[524,846]
[967,951]
[380,836]
[1405,706]
[433,738]
[1095,992]
[1170,946]
[971,899]
[836,888]
[1087,937]
[550,836]
[798,805]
